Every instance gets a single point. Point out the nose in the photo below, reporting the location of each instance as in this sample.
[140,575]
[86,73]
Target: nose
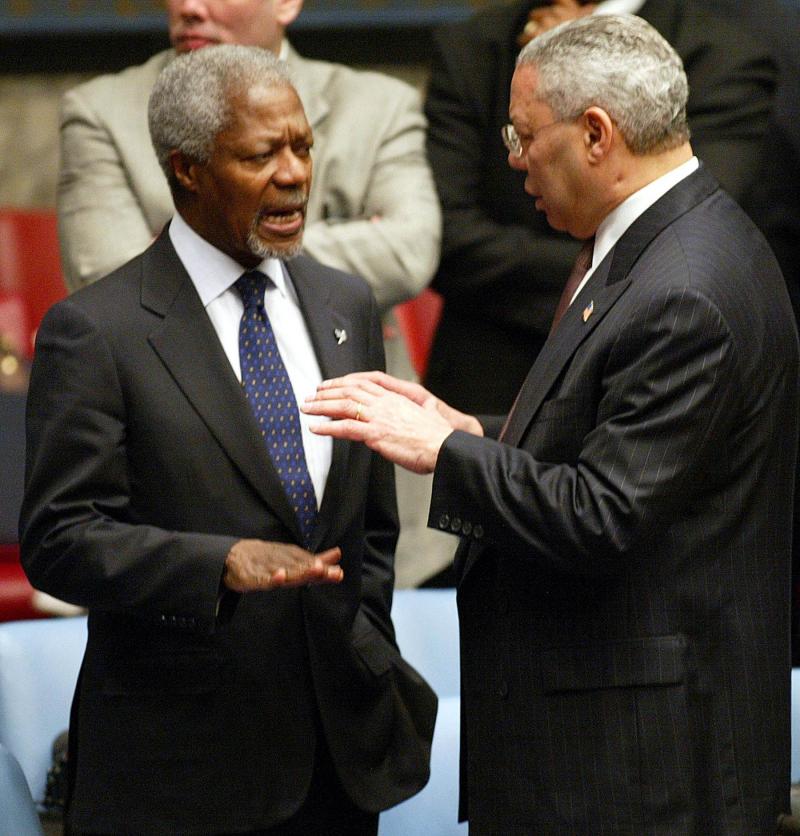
[192,9]
[292,169]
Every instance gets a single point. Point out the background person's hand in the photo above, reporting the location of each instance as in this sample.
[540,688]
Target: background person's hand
[543,18]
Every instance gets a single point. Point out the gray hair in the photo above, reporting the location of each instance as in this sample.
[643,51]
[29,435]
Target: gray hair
[621,64]
[191,100]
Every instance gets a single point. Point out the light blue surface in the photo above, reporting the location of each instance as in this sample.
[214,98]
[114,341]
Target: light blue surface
[426,624]
[39,662]
[17,811]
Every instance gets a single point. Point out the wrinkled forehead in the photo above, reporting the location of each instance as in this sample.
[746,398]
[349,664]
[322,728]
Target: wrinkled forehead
[523,94]
[265,109]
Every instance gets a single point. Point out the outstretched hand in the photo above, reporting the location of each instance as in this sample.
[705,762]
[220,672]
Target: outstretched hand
[258,565]
[543,18]
[398,419]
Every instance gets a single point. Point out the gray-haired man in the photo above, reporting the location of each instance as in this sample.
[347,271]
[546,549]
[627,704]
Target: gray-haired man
[626,531]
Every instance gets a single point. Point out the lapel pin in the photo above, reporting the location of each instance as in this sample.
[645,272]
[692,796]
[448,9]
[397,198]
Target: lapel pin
[340,334]
[588,310]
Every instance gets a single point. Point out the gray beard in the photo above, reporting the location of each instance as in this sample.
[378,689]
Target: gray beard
[261,250]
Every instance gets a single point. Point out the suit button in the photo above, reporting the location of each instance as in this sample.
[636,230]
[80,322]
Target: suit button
[477,531]
[503,604]
[502,690]
[455,525]
[466,528]
[444,521]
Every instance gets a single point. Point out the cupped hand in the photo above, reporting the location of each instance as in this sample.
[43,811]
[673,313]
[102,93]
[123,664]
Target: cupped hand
[258,565]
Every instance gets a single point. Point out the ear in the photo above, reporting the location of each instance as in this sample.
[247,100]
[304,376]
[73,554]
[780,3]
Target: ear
[184,170]
[598,134]
[286,11]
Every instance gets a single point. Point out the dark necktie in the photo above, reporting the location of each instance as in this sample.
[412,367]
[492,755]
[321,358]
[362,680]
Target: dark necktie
[269,391]
[579,270]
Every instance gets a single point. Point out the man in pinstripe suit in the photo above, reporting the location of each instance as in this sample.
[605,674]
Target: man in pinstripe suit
[624,565]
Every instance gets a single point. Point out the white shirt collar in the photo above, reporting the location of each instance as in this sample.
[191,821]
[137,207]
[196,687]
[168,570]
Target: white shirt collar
[211,270]
[619,219]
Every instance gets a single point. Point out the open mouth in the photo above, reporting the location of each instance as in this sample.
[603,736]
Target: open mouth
[282,222]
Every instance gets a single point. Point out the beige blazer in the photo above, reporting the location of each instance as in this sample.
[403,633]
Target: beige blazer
[373,209]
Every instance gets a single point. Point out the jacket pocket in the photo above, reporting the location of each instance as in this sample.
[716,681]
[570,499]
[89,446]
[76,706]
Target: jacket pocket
[170,673]
[655,660]
[371,646]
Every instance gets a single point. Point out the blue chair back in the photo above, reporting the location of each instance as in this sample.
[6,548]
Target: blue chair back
[17,811]
[426,624]
[39,663]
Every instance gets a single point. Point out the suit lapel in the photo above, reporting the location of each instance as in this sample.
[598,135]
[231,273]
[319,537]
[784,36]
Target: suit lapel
[336,357]
[599,295]
[188,346]
[602,291]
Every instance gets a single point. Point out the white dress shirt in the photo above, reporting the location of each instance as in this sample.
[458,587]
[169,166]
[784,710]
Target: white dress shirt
[615,224]
[618,7]
[214,274]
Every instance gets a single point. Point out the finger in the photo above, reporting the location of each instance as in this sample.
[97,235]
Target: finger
[331,407]
[347,379]
[330,556]
[346,428]
[334,574]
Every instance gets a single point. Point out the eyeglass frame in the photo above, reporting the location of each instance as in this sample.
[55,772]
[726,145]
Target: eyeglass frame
[512,141]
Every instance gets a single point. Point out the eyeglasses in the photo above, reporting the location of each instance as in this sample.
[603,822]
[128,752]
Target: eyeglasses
[512,141]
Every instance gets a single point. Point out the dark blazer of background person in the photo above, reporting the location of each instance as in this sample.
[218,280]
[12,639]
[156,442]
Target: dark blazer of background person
[502,267]
[145,465]
[623,588]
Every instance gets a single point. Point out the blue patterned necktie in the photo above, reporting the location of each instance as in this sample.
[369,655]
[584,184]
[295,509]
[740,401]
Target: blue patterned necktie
[269,391]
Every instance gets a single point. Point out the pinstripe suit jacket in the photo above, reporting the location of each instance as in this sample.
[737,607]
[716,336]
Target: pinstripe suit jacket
[624,578]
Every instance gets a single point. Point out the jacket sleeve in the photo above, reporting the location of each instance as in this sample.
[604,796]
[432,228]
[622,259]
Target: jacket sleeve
[80,538]
[612,473]
[101,224]
[394,243]
[732,82]
[487,259]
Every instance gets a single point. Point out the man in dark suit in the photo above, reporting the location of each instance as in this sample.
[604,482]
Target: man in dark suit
[241,673]
[624,565]
[502,266]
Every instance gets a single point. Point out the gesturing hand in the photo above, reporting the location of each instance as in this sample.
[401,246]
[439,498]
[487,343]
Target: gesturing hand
[400,420]
[253,565]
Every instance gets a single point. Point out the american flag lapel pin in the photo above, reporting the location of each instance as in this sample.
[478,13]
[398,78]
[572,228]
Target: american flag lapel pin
[588,310]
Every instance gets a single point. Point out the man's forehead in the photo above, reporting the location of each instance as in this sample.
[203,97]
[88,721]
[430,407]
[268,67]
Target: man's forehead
[523,99]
